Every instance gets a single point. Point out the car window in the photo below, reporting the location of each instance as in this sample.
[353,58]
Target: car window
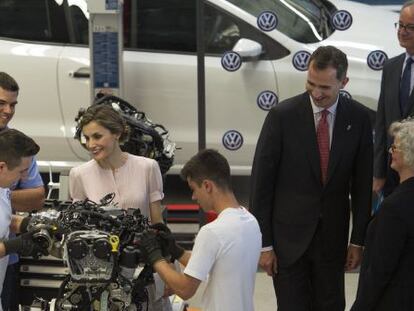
[36,20]
[381,2]
[156,25]
[77,17]
[306,21]
[170,25]
[223,30]
[167,25]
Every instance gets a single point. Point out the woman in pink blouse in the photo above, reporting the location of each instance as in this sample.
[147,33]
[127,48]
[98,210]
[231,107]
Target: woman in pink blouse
[136,181]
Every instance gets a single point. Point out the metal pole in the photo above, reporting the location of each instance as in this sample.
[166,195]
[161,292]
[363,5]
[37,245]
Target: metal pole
[201,87]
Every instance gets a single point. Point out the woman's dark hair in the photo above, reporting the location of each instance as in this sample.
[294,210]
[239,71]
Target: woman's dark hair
[106,117]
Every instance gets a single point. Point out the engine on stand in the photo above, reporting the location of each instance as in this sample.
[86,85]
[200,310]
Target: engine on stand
[100,245]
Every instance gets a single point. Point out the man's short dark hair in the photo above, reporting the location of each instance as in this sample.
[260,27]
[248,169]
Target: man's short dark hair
[407,3]
[8,83]
[208,164]
[14,146]
[329,56]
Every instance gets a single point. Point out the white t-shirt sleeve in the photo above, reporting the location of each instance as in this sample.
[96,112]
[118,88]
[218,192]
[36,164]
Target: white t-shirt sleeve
[205,252]
[76,190]
[155,183]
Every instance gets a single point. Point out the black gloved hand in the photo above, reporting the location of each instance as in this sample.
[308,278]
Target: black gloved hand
[150,247]
[161,227]
[25,222]
[168,242]
[24,245]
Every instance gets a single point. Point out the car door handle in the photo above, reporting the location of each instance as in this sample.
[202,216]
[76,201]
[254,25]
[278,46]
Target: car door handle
[81,73]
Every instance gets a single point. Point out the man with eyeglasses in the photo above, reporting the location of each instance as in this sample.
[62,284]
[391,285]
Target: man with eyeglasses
[396,101]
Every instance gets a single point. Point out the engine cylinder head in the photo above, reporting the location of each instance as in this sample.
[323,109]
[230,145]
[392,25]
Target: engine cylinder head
[77,249]
[102,248]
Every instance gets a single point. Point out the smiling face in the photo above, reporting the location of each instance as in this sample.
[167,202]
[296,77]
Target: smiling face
[100,142]
[323,85]
[8,101]
[406,35]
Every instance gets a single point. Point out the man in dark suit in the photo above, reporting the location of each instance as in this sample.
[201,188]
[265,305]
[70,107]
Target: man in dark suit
[396,100]
[314,151]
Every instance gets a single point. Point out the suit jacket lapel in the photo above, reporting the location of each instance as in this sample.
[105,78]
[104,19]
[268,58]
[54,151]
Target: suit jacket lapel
[395,73]
[341,128]
[307,134]
[410,108]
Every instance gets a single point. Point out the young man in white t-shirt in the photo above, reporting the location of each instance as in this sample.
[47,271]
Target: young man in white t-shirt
[226,251]
[16,153]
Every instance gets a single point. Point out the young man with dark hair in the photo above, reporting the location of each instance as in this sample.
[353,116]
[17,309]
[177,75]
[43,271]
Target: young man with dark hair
[227,249]
[26,194]
[16,153]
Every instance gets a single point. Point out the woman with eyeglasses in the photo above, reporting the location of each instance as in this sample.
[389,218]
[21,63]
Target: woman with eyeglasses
[386,281]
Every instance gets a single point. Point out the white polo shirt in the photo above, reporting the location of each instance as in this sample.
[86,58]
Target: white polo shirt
[227,250]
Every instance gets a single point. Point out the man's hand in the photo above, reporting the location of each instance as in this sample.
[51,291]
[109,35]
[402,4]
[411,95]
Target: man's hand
[268,262]
[168,242]
[378,184]
[24,245]
[151,247]
[353,258]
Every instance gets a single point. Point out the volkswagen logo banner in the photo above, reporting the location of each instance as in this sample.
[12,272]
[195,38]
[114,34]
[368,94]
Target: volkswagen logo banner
[301,60]
[376,60]
[267,21]
[232,140]
[266,100]
[342,20]
[231,61]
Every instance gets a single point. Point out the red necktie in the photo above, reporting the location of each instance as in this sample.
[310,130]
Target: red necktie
[322,134]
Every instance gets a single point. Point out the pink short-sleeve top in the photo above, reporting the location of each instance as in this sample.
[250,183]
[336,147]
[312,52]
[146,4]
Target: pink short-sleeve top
[136,184]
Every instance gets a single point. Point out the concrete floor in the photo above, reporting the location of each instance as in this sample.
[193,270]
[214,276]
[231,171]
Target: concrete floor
[264,296]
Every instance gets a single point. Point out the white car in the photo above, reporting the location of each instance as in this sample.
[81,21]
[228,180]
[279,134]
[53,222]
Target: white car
[392,5]
[44,46]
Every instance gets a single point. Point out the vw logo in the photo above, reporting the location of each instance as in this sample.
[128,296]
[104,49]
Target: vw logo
[266,100]
[376,60]
[267,21]
[231,61]
[342,20]
[345,94]
[232,140]
[301,60]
